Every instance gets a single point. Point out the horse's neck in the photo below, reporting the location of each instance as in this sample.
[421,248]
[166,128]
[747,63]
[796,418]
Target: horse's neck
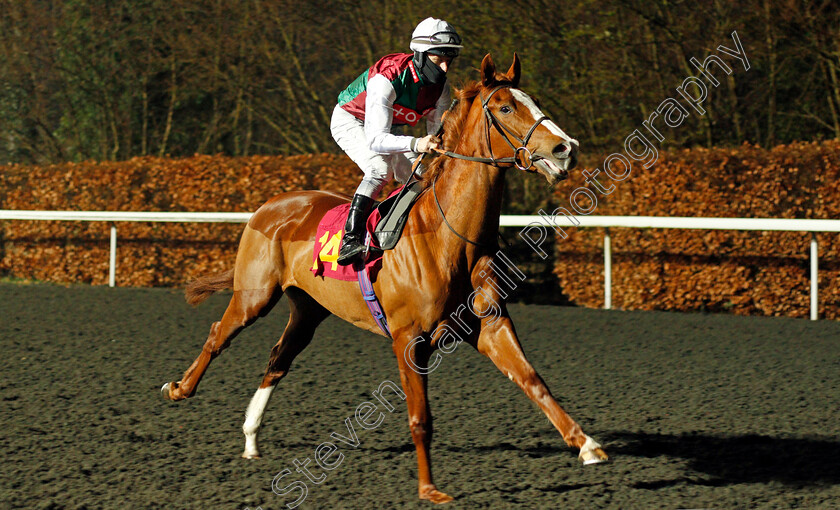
[470,195]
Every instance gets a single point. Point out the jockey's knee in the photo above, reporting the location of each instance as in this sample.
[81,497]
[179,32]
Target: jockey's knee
[372,185]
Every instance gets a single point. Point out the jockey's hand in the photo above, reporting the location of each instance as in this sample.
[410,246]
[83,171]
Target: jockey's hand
[428,143]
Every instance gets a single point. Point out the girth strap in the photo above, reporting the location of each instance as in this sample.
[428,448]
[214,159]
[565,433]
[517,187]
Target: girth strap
[369,296]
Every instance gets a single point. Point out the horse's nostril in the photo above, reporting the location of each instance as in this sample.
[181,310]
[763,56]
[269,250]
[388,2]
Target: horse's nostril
[562,149]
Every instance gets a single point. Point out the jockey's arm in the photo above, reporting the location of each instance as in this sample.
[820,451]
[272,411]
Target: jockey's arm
[379,106]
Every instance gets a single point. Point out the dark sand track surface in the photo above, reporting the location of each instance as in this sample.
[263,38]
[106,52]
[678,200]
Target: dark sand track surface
[696,411]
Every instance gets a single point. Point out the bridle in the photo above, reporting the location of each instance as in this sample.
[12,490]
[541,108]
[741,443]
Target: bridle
[492,120]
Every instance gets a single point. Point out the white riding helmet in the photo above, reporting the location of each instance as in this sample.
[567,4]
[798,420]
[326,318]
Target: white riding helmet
[437,37]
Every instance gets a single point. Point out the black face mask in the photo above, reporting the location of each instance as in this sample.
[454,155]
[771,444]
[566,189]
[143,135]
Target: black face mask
[430,73]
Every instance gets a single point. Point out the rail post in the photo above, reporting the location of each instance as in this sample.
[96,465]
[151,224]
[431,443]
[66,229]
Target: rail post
[112,270]
[607,270]
[814,280]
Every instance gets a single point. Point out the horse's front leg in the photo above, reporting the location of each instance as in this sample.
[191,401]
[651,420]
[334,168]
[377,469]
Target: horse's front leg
[413,361]
[498,341]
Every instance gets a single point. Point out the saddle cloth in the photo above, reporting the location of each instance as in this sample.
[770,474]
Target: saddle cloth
[386,231]
[328,241]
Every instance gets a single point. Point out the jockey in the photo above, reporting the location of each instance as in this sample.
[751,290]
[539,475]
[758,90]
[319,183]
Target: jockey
[397,90]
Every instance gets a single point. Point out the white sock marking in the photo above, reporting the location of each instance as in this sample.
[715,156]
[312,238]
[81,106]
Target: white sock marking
[589,445]
[253,419]
[587,452]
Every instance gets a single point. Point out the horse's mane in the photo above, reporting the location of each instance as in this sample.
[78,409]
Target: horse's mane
[453,125]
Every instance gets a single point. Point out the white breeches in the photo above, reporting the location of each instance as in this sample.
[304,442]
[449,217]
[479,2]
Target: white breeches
[379,169]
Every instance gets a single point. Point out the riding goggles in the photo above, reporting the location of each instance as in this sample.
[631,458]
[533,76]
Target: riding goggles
[447,44]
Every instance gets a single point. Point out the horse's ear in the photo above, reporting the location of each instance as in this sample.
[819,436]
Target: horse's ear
[515,71]
[488,71]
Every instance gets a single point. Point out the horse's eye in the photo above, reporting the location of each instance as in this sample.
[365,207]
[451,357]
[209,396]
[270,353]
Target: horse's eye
[505,109]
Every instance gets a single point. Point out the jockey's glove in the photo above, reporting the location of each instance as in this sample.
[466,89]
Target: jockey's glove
[426,144]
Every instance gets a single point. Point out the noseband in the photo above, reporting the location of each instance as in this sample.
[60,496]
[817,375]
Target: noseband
[490,119]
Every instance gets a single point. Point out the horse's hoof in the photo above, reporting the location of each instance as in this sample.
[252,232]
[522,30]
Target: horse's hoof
[250,455]
[437,497]
[164,390]
[595,456]
[167,389]
[591,453]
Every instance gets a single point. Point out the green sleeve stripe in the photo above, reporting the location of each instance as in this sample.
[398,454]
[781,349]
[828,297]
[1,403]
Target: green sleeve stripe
[353,90]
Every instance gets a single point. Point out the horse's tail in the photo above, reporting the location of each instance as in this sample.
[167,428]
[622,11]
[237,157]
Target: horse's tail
[203,287]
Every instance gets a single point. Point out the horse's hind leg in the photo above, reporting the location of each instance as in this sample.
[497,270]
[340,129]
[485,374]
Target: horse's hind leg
[306,315]
[244,308]
[256,290]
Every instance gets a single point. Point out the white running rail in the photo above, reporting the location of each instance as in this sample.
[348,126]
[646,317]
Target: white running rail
[764,224]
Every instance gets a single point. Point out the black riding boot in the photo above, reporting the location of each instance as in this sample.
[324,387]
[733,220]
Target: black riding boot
[353,243]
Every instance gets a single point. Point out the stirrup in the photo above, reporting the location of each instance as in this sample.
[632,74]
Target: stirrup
[369,248]
[354,249]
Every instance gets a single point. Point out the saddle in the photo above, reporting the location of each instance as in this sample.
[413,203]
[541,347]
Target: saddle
[394,212]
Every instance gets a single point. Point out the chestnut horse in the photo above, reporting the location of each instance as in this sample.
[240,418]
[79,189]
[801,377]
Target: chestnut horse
[445,253]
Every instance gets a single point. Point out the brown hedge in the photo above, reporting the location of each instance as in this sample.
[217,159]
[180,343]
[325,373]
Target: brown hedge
[742,272]
[149,254]
[758,273]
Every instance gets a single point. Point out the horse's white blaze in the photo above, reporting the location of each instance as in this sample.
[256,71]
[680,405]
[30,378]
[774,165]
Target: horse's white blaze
[529,103]
[253,420]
